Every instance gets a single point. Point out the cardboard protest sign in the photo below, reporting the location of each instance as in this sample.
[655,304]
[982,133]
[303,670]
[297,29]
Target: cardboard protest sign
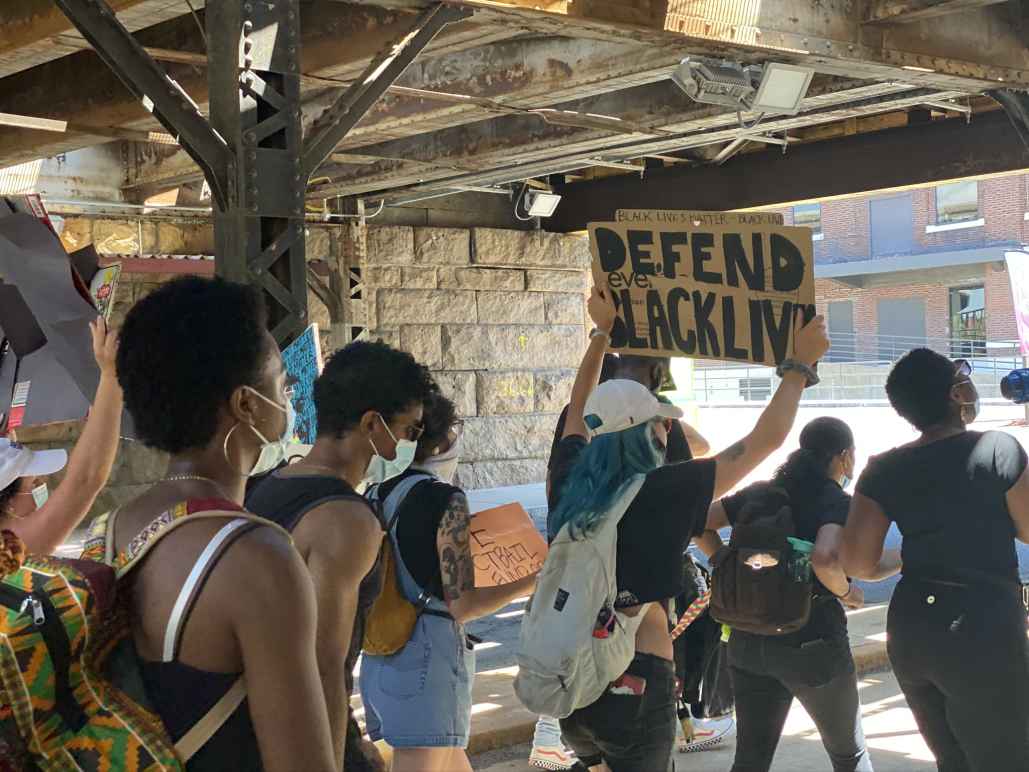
[726,290]
[303,361]
[696,218]
[506,546]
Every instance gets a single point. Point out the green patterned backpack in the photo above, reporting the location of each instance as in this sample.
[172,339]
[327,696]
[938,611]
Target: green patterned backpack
[71,695]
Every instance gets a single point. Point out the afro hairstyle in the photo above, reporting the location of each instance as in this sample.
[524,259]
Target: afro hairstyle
[183,350]
[919,387]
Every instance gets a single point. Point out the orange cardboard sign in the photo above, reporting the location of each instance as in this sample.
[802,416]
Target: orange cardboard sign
[505,545]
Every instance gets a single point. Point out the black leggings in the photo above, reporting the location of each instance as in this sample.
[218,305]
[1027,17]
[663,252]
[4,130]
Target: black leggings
[767,674]
[961,656]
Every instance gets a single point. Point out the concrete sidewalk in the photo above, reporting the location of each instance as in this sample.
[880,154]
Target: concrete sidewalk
[500,720]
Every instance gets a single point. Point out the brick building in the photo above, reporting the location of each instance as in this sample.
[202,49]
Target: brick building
[897,268]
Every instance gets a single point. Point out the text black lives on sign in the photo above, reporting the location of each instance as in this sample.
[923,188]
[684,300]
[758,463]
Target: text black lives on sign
[728,292]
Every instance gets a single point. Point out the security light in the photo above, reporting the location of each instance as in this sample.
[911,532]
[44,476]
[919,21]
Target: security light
[717,82]
[783,87]
[774,88]
[539,203]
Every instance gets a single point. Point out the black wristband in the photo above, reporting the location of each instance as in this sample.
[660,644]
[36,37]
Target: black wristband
[792,365]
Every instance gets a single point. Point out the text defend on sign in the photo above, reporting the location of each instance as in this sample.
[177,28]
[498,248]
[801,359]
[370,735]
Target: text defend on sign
[728,291]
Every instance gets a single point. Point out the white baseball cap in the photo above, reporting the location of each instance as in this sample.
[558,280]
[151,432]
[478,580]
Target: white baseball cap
[619,404]
[18,461]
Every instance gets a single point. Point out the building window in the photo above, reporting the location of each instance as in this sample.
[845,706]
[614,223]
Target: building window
[957,202]
[756,389]
[809,216]
[968,321]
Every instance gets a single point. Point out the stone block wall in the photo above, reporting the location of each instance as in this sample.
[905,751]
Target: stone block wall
[499,316]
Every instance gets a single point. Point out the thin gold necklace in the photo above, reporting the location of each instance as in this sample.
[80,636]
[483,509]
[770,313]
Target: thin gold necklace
[201,478]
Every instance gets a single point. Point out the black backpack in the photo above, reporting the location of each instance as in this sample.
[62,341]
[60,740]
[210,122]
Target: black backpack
[760,582]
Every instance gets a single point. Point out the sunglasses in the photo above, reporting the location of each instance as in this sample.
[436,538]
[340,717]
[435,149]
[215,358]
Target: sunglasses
[963,368]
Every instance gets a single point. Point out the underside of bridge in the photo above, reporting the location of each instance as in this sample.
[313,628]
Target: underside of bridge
[270,112]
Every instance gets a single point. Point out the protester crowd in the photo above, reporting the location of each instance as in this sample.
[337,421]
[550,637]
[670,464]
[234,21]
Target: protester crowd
[251,581]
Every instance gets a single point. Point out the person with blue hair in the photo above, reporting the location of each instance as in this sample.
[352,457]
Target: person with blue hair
[614,432]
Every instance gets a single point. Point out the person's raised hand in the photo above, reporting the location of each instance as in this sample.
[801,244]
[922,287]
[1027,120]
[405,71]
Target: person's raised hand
[601,308]
[105,346]
[810,341]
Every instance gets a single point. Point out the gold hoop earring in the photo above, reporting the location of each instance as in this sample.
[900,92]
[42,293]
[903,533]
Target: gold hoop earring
[225,451]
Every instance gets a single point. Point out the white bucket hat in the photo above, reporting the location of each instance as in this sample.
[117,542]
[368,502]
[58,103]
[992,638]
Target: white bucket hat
[617,405]
[18,461]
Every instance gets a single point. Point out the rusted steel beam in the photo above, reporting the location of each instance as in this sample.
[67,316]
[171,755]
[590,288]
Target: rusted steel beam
[908,11]
[894,158]
[58,89]
[532,79]
[33,32]
[964,52]
[352,105]
[514,142]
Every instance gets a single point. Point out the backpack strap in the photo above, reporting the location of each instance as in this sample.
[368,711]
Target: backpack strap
[206,728]
[195,582]
[109,551]
[175,518]
[391,506]
[390,513]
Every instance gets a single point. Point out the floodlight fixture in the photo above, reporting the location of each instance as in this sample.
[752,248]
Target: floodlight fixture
[773,88]
[716,82]
[783,87]
[540,203]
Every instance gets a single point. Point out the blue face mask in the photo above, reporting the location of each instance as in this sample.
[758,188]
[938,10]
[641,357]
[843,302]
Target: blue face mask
[845,482]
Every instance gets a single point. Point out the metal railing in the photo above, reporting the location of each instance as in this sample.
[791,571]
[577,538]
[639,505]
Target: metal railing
[856,369]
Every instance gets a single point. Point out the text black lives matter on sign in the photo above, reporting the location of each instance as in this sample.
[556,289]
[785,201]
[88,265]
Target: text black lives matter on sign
[706,285]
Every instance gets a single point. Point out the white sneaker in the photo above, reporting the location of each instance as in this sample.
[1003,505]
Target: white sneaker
[707,733]
[553,758]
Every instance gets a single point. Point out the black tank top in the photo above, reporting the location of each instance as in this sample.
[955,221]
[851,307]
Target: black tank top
[285,500]
[182,695]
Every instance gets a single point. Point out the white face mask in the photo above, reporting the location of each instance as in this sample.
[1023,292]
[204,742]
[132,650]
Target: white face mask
[969,410]
[444,465]
[381,469]
[274,452]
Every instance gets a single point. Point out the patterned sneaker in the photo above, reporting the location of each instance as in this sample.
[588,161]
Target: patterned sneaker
[552,758]
[707,733]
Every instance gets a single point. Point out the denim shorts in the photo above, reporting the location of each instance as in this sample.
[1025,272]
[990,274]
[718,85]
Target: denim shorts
[421,697]
[630,732]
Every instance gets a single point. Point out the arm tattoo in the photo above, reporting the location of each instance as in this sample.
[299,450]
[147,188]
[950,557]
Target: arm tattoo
[456,566]
[736,451]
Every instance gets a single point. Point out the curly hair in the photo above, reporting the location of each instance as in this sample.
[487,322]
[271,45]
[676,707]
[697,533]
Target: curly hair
[7,494]
[919,387]
[440,414]
[365,376]
[183,350]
